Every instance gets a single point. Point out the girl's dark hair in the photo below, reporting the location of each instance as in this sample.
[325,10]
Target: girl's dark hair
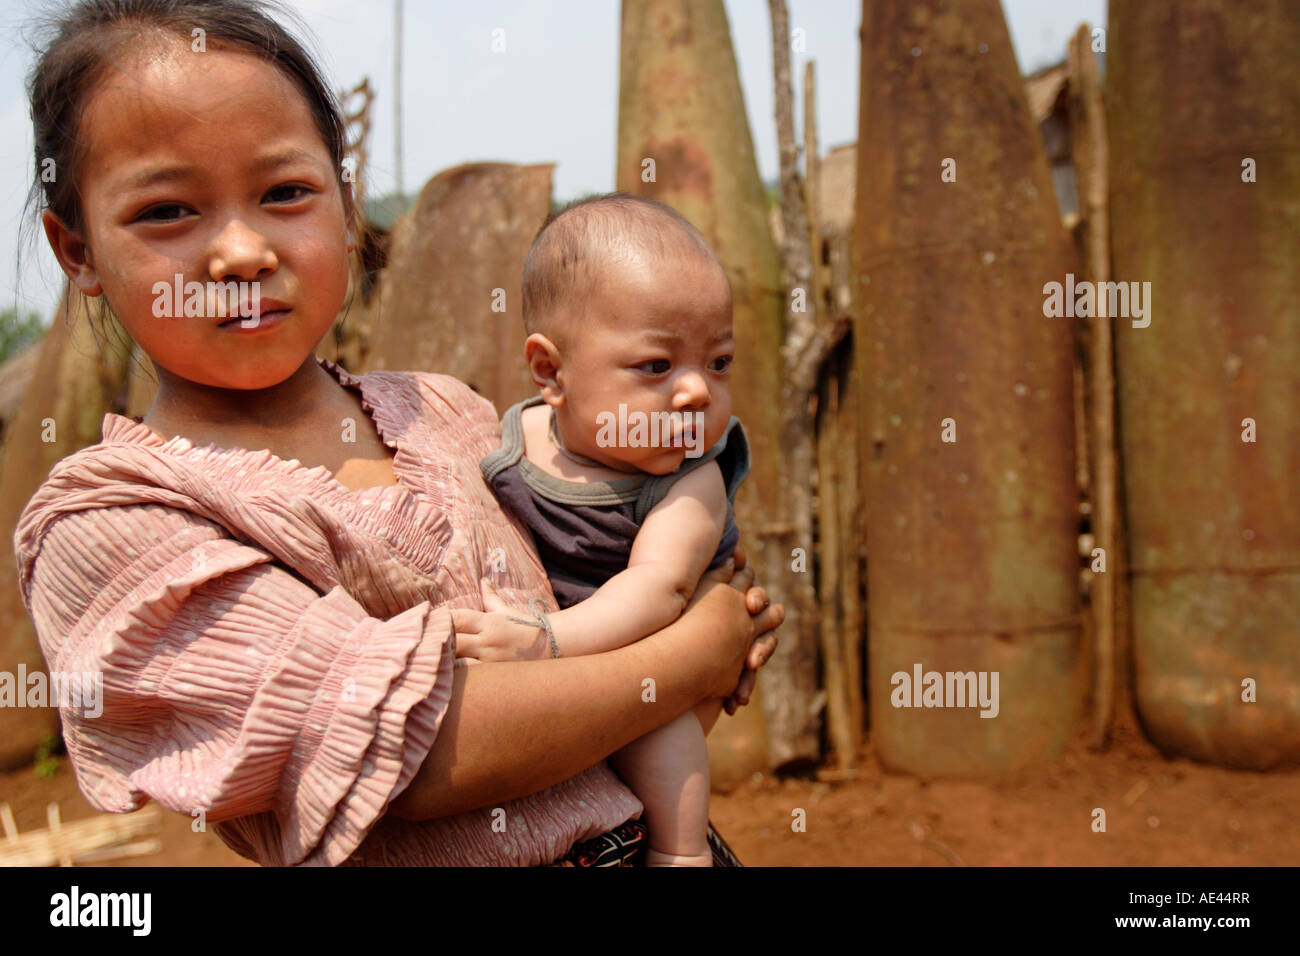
[90,38]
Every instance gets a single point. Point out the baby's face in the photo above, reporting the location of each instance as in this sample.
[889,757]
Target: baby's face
[655,339]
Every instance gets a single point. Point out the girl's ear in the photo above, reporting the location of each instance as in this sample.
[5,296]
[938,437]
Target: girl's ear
[73,255]
[544,362]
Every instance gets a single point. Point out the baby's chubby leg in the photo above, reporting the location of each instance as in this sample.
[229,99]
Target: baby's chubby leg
[668,769]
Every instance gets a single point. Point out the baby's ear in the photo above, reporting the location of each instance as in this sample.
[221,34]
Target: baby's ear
[544,363]
[73,254]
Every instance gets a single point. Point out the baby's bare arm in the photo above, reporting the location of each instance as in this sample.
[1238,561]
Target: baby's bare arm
[676,542]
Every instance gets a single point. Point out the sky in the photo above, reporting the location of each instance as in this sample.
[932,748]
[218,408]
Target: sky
[551,95]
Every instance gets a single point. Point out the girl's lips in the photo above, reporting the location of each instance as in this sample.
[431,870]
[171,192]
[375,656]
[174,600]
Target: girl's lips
[264,321]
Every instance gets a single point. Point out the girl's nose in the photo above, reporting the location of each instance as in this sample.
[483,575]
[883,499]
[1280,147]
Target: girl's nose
[240,252]
[691,391]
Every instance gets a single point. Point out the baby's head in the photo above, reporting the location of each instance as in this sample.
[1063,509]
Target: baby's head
[628,315]
[189,160]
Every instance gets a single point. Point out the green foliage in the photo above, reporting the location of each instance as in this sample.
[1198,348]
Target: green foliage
[385,210]
[18,332]
[47,765]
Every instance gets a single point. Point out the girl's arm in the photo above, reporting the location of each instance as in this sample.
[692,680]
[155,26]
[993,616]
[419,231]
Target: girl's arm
[566,715]
[231,688]
[672,549]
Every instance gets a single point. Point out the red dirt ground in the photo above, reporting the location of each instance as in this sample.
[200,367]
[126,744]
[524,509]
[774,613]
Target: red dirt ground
[1159,813]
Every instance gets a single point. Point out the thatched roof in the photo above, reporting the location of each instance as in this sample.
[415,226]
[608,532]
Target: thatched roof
[1044,88]
[838,189]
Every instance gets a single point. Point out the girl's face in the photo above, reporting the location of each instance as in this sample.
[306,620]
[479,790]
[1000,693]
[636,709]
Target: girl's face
[208,165]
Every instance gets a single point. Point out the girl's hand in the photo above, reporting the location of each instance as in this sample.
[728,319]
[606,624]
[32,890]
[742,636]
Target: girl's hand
[756,617]
[491,636]
[766,617]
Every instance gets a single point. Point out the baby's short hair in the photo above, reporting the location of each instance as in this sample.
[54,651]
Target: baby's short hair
[572,248]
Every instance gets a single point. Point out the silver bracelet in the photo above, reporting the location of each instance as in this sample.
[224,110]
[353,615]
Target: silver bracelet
[537,608]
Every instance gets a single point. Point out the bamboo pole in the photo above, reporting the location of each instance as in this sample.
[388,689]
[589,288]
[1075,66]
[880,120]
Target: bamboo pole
[853,574]
[841,675]
[836,677]
[812,167]
[809,339]
[102,837]
[846,371]
[1089,144]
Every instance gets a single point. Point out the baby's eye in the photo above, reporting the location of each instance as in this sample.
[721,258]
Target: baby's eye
[721,363]
[655,366]
[152,214]
[286,192]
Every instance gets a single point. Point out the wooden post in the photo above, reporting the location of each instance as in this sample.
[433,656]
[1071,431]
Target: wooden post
[1088,139]
[56,836]
[852,536]
[106,836]
[841,674]
[836,674]
[400,183]
[812,169]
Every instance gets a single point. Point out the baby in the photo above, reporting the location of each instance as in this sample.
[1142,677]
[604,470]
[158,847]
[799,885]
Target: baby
[625,467]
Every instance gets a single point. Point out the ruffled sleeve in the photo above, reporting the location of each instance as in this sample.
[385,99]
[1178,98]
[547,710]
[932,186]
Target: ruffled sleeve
[229,685]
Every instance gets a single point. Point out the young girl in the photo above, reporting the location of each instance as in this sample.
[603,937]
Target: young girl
[625,468]
[263,567]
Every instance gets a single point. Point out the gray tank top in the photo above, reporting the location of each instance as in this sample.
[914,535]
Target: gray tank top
[584,530]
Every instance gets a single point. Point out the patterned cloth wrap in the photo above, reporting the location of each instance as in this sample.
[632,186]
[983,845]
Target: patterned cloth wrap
[625,846]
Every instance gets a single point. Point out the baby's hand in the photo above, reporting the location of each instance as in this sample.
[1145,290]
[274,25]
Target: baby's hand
[491,636]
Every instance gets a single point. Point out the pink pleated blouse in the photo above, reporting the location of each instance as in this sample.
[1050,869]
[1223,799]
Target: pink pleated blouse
[276,648]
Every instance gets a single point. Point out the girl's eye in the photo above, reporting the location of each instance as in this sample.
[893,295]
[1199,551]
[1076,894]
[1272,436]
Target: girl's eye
[287,193]
[721,363]
[655,366]
[152,215]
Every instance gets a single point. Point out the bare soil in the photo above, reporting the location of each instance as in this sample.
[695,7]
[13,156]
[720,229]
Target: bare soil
[28,794]
[1159,812]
